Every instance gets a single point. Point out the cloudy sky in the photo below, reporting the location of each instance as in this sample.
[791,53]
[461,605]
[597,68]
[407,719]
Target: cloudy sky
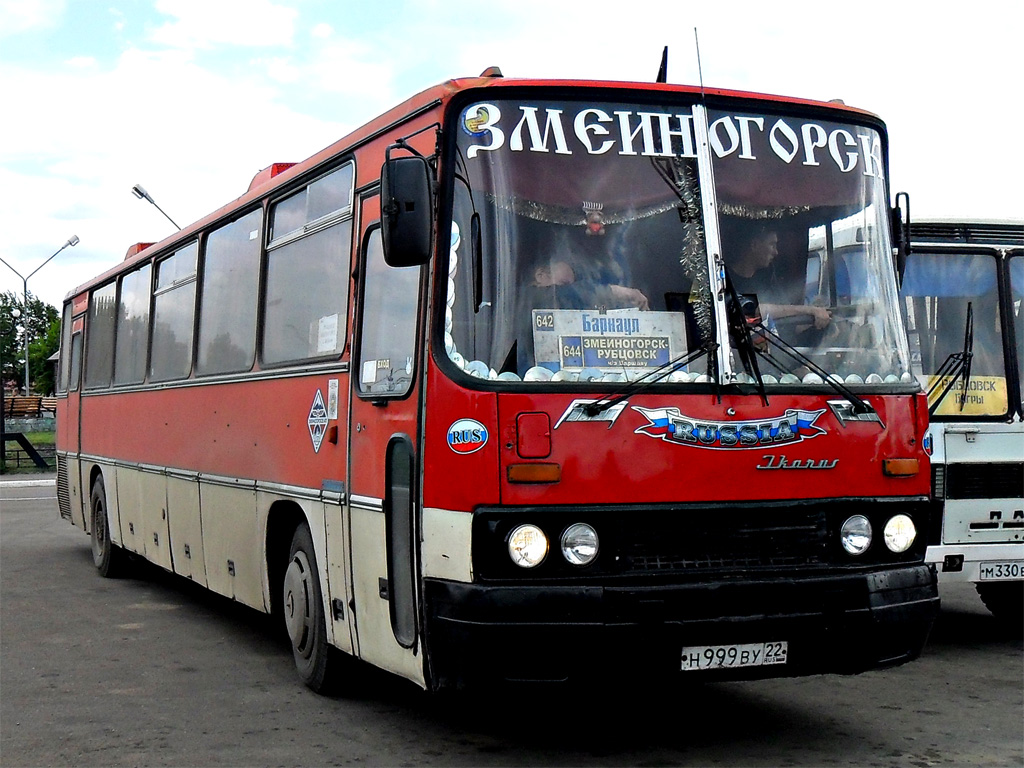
[191,97]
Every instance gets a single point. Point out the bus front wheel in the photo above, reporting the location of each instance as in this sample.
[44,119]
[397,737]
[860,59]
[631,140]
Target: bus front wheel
[110,560]
[304,619]
[1005,601]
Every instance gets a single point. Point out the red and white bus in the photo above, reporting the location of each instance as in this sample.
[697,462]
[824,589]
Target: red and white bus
[527,380]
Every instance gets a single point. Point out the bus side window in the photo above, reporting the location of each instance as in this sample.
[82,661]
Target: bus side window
[305,305]
[173,315]
[132,327]
[75,367]
[387,328]
[227,309]
[65,349]
[100,347]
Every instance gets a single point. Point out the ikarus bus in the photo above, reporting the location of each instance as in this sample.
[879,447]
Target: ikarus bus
[527,380]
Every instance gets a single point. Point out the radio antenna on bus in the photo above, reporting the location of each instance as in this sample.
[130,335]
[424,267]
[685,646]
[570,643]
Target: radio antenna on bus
[700,72]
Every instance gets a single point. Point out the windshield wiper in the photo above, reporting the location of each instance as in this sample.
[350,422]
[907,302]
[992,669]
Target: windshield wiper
[651,377]
[957,364]
[859,404]
[741,333]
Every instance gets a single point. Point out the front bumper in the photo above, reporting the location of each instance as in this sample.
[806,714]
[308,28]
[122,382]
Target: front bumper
[962,562]
[835,623]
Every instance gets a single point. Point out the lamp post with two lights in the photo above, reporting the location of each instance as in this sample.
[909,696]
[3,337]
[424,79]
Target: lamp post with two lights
[72,241]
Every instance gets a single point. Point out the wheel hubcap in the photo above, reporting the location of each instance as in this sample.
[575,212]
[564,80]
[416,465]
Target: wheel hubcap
[298,604]
[99,533]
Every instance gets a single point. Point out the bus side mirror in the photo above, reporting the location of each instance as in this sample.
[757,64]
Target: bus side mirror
[407,210]
[901,233]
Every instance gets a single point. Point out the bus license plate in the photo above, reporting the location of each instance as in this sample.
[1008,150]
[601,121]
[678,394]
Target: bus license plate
[1002,570]
[697,657]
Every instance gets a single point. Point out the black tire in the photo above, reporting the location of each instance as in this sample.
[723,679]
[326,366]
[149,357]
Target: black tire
[1005,600]
[110,560]
[303,607]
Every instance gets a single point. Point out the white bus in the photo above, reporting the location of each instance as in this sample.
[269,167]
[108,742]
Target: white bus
[962,293]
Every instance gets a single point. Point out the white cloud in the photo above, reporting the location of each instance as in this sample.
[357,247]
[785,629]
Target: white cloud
[86,136]
[18,16]
[204,24]
[321,30]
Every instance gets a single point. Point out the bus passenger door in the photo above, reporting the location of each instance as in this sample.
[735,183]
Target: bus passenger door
[72,489]
[384,445]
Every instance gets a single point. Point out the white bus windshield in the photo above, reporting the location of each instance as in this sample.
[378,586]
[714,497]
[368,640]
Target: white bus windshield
[594,243]
[938,288]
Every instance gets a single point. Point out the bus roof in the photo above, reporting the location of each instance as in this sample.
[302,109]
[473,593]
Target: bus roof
[280,174]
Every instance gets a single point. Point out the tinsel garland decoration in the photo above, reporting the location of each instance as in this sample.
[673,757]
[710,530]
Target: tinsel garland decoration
[761,214]
[565,215]
[682,177]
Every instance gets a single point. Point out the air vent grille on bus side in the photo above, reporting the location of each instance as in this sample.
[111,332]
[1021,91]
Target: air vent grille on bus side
[63,489]
[968,233]
[985,481]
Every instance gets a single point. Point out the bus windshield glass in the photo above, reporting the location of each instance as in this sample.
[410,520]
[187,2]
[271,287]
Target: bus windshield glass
[585,238]
[938,288]
[1017,305]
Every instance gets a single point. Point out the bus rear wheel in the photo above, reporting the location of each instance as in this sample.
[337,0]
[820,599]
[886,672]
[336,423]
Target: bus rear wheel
[110,560]
[303,606]
[1005,600]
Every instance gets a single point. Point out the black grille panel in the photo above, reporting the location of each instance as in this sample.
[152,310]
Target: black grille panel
[985,481]
[730,540]
[63,490]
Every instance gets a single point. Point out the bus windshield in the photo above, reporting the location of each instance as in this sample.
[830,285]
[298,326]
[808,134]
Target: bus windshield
[1017,305]
[587,241]
[938,288]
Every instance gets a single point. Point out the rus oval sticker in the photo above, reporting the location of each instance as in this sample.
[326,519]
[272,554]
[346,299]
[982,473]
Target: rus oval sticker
[467,436]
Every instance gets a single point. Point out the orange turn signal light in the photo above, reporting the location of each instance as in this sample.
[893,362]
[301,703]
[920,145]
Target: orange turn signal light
[900,467]
[534,473]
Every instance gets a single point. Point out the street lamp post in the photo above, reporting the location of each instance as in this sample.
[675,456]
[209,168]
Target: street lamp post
[15,314]
[139,191]
[72,241]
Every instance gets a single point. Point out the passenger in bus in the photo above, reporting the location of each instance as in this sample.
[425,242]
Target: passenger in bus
[749,259]
[565,284]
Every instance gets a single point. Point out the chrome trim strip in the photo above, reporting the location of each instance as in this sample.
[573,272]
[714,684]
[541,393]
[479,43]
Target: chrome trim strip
[227,482]
[182,474]
[291,491]
[366,502]
[332,496]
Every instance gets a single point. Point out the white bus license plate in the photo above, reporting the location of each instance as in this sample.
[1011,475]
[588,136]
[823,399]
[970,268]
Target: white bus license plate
[1002,570]
[696,657]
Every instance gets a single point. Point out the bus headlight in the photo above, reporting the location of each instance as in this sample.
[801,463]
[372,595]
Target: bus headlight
[899,533]
[856,535]
[527,546]
[579,544]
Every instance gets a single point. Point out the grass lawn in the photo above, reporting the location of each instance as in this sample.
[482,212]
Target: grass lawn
[18,463]
[39,439]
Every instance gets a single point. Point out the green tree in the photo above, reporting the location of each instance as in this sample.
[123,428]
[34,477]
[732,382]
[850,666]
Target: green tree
[42,324]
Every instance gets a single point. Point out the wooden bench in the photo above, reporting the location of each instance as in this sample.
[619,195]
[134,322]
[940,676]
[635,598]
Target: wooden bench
[23,407]
[49,404]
